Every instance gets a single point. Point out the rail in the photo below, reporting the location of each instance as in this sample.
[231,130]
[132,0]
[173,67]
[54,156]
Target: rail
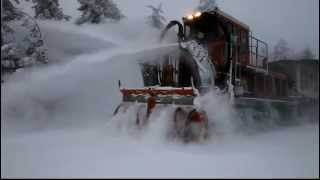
[258,53]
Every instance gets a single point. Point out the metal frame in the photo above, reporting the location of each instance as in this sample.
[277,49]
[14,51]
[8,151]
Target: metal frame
[254,52]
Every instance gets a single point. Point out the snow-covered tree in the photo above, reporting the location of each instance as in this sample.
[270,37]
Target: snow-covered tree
[49,9]
[8,12]
[207,5]
[95,11]
[306,54]
[19,52]
[156,19]
[12,58]
[34,41]
[281,50]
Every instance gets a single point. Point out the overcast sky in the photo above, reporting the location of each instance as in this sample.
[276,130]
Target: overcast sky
[297,21]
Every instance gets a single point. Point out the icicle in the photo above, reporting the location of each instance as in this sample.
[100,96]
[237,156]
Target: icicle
[230,86]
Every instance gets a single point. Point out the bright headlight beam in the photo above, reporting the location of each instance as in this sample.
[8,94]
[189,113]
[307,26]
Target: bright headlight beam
[197,14]
[190,17]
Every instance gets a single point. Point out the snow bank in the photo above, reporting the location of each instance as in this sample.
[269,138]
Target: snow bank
[93,153]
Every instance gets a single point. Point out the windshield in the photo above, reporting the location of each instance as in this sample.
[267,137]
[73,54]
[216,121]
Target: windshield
[171,72]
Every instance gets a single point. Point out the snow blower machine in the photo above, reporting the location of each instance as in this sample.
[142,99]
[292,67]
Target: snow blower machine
[214,51]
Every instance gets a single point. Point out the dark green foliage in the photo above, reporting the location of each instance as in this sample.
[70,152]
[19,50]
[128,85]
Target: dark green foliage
[156,19]
[95,11]
[19,53]
[49,9]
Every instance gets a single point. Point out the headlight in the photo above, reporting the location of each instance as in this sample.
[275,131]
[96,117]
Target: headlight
[194,15]
[197,14]
[190,17]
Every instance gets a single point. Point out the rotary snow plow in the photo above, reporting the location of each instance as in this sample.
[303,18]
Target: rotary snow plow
[189,122]
[214,51]
[170,79]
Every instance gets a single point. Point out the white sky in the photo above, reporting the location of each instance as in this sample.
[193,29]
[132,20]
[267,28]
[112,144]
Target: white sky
[297,21]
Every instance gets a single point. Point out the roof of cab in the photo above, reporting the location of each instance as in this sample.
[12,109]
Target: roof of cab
[230,18]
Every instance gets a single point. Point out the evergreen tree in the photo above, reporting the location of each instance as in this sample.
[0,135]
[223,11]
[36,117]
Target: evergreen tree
[35,49]
[9,55]
[95,11]
[9,12]
[19,53]
[156,19]
[49,9]
[281,50]
[207,5]
[307,54]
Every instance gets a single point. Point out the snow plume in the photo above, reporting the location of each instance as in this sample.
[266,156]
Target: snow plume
[56,97]
[219,111]
[92,38]
[85,80]
[227,117]
[156,131]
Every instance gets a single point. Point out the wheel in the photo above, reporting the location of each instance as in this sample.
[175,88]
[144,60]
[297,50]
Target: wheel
[180,118]
[196,126]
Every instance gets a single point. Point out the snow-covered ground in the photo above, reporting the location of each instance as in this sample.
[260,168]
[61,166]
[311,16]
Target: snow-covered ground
[92,152]
[56,120]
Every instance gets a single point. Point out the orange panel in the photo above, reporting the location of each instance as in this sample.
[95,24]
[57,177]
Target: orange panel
[216,51]
[154,92]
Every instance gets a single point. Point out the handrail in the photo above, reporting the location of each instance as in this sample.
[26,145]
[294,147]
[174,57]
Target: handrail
[255,53]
